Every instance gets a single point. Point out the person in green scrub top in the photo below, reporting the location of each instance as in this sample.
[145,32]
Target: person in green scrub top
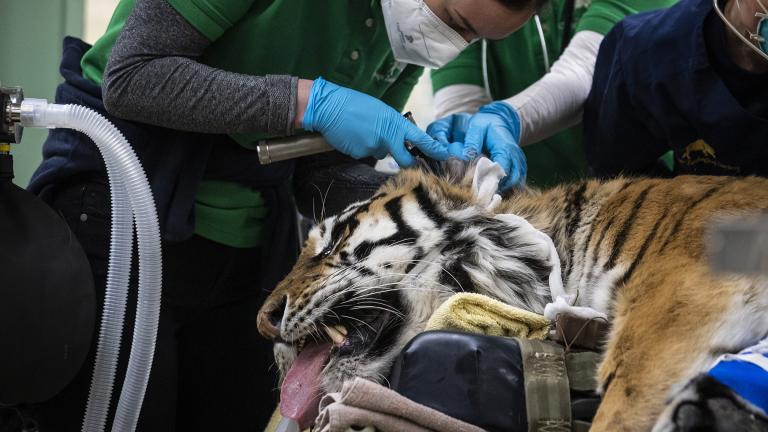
[194,85]
[540,77]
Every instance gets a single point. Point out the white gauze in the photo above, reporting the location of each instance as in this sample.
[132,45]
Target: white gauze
[485,185]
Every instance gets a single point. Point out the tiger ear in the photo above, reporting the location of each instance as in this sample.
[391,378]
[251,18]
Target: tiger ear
[453,170]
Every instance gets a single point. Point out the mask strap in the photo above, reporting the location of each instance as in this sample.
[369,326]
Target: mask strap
[543,41]
[764,16]
[737,32]
[757,36]
[484,60]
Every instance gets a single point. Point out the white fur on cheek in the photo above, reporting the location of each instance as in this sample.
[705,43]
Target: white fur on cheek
[423,295]
[397,256]
[314,236]
[429,234]
[372,229]
[413,214]
[321,241]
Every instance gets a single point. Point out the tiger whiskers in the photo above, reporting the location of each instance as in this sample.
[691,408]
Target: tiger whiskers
[323,198]
[442,269]
[367,280]
[407,279]
[399,315]
[397,286]
[358,320]
[404,276]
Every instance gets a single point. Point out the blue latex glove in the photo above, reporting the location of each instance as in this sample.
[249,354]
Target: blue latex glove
[450,128]
[450,131]
[495,131]
[360,125]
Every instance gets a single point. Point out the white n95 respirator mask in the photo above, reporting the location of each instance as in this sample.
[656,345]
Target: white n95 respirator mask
[418,36]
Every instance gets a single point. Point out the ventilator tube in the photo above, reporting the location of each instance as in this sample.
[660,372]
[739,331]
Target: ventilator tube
[132,200]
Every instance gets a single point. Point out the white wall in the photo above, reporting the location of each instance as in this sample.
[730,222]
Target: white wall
[97,15]
[420,103]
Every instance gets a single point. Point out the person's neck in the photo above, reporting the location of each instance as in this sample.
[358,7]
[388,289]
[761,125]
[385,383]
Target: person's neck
[744,21]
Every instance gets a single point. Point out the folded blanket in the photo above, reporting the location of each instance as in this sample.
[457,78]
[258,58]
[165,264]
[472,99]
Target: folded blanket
[274,421]
[476,313]
[364,403]
[337,417]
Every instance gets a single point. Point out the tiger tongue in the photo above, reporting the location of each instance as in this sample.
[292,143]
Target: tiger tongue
[300,393]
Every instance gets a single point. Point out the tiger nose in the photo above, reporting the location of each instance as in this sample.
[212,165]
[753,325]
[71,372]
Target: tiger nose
[270,317]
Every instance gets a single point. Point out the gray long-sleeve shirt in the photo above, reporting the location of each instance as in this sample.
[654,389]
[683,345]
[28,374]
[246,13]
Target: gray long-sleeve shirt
[153,77]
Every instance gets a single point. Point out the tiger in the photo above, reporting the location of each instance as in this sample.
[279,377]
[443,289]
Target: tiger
[368,279]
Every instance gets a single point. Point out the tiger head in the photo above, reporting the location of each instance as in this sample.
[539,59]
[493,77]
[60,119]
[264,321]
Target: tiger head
[369,278]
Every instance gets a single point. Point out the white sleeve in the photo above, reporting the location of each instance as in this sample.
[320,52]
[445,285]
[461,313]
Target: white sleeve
[459,98]
[556,101]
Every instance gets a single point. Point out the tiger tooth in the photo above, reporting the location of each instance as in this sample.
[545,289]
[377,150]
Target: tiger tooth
[341,329]
[335,335]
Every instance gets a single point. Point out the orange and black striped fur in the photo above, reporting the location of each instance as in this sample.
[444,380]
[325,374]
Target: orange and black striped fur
[632,248]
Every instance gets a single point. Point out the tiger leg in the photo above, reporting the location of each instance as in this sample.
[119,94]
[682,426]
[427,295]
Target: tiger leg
[661,337]
[703,401]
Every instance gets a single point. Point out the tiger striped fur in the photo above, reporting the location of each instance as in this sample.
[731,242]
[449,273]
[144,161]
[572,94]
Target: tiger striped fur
[632,248]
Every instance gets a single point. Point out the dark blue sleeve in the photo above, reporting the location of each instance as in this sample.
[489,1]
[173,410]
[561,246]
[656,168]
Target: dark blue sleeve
[617,135]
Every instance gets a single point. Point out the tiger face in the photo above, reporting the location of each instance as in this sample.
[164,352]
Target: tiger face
[369,278]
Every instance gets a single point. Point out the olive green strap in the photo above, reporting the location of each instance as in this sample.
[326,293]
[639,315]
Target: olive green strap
[581,426]
[582,370]
[547,394]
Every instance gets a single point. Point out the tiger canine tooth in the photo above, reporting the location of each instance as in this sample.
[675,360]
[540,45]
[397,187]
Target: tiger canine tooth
[336,336]
[341,329]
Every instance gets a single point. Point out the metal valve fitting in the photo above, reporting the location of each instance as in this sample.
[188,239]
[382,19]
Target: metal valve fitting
[10,114]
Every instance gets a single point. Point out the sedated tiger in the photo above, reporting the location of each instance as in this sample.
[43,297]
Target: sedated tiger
[631,248]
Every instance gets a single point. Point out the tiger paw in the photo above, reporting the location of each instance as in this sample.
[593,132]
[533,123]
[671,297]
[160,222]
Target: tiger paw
[706,404]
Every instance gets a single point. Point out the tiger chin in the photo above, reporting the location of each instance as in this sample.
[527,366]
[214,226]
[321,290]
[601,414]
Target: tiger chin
[368,279]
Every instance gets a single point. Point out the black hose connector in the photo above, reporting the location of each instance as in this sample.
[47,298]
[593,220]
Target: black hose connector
[6,166]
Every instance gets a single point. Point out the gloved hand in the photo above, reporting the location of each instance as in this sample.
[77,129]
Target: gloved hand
[495,131]
[450,131]
[451,128]
[360,125]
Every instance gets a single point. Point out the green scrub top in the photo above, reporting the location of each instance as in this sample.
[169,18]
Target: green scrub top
[517,61]
[344,41]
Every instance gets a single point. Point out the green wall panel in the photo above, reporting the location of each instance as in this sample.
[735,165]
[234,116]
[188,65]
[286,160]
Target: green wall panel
[30,51]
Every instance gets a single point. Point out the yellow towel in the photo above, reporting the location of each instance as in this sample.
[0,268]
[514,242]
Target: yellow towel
[476,313]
